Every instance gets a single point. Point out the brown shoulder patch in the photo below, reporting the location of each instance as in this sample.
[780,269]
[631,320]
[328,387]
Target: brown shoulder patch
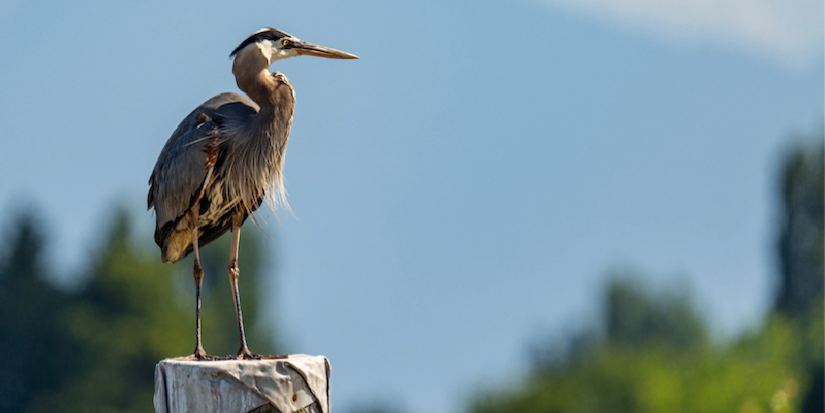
[202,118]
[211,150]
[211,147]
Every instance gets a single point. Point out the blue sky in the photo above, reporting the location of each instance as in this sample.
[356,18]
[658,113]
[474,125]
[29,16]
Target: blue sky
[462,188]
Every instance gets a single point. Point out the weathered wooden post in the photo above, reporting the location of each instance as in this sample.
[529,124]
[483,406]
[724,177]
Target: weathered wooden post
[288,384]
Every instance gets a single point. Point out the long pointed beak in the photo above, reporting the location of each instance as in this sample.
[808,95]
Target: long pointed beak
[309,49]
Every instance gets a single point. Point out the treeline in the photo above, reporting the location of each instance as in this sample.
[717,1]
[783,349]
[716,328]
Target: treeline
[93,347]
[652,351]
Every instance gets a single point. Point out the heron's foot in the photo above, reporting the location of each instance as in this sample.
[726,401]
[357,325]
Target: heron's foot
[200,355]
[245,354]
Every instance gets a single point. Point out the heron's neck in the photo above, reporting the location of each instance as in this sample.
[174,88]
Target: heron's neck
[251,70]
[272,92]
[265,138]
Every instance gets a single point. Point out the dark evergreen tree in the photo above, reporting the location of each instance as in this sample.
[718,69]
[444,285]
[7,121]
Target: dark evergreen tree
[635,317]
[801,238]
[94,350]
[37,355]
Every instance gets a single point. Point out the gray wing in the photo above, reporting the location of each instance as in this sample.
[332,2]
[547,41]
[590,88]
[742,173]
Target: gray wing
[183,165]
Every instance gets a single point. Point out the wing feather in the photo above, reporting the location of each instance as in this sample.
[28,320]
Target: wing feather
[180,173]
[183,166]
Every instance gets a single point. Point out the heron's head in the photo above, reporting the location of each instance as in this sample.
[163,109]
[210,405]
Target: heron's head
[268,45]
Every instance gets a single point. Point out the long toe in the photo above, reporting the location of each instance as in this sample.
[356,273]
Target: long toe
[245,354]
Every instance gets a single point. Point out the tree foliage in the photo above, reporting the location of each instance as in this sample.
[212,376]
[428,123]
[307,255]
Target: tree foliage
[761,371]
[801,239]
[38,359]
[653,353]
[634,317]
[94,350]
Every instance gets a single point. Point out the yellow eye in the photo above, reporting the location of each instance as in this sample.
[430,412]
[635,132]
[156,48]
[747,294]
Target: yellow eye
[285,42]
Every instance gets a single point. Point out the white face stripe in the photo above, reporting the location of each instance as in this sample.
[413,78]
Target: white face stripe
[273,51]
[266,47]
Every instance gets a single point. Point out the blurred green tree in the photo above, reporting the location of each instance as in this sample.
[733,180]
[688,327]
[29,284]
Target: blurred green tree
[126,319]
[801,239]
[655,355]
[758,372]
[38,357]
[801,248]
[95,350]
[636,317]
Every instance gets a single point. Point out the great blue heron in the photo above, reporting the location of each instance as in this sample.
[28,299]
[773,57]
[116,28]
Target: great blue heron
[225,158]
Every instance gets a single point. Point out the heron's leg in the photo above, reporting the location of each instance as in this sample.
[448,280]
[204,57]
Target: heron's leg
[200,353]
[234,273]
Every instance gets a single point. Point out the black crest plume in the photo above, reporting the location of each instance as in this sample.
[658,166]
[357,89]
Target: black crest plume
[263,34]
